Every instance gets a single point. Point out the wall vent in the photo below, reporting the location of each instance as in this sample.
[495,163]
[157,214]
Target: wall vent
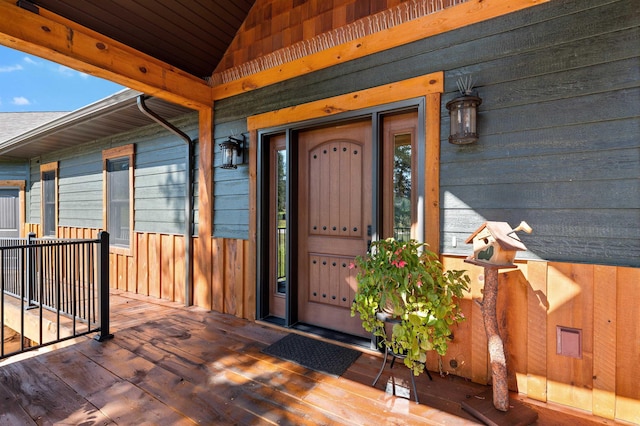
[569,341]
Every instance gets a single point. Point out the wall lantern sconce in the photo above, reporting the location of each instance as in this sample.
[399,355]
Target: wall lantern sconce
[232,152]
[462,112]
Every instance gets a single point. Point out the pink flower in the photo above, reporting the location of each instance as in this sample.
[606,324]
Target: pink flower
[399,263]
[352,265]
[419,284]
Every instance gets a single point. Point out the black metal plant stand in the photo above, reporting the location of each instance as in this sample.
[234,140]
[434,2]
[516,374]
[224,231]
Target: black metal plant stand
[388,351]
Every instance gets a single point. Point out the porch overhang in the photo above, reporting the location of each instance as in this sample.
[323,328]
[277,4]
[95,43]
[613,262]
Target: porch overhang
[115,114]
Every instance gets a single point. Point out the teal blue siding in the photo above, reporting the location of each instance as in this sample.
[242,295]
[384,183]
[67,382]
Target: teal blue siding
[559,127]
[159,178]
[14,170]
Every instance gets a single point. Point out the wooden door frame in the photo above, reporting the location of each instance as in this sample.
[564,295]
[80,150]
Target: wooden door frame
[428,87]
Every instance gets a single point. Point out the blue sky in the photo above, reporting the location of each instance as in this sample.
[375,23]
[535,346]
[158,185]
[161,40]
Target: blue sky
[29,83]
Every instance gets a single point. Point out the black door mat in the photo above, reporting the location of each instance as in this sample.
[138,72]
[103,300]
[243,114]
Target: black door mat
[314,354]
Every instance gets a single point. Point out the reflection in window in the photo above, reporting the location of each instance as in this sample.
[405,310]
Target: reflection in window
[49,203]
[402,187]
[118,201]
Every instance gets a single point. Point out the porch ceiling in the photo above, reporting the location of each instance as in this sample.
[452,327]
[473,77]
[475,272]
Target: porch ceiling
[191,35]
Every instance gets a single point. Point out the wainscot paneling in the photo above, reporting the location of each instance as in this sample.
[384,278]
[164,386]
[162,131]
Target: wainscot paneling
[535,299]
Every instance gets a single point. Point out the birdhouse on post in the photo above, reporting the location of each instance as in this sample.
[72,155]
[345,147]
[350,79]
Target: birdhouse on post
[496,244]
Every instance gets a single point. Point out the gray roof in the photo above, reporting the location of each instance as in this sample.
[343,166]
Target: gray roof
[110,116]
[15,123]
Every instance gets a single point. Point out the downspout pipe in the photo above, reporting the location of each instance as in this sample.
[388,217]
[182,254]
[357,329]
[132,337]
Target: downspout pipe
[188,208]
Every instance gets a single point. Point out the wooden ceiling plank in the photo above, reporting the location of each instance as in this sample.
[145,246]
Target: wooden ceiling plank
[165,45]
[100,56]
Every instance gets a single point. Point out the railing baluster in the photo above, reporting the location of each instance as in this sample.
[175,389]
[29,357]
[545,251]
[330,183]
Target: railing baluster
[70,278]
[103,286]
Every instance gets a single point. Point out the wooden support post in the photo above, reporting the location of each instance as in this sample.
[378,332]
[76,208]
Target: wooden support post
[494,341]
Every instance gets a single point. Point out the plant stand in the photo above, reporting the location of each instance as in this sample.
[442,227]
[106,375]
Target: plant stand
[387,351]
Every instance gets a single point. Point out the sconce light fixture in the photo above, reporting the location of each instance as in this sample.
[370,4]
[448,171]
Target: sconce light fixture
[232,152]
[462,112]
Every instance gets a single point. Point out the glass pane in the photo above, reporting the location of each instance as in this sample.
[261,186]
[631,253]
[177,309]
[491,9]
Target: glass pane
[281,224]
[118,201]
[49,200]
[402,187]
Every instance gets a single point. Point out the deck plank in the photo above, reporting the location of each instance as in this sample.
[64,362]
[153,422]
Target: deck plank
[14,416]
[45,397]
[171,365]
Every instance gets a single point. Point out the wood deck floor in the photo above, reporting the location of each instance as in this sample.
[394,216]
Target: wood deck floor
[170,365]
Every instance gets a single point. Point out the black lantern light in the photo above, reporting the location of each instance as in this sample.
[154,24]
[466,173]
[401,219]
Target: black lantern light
[462,112]
[232,152]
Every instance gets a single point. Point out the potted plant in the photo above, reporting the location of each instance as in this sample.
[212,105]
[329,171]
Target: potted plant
[408,282]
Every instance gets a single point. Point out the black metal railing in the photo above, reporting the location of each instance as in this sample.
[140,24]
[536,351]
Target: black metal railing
[52,290]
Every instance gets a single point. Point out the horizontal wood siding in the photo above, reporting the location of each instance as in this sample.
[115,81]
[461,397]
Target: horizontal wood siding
[13,170]
[80,200]
[160,180]
[559,142]
[231,186]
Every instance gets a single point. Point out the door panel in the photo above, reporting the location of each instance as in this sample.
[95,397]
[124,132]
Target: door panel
[334,206]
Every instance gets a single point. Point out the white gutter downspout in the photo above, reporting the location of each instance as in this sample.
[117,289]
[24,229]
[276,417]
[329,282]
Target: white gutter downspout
[188,208]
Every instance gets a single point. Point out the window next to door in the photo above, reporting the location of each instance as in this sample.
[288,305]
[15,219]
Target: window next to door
[117,166]
[49,201]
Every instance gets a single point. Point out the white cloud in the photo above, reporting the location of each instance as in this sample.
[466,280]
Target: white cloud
[65,71]
[21,100]
[11,68]
[69,72]
[30,61]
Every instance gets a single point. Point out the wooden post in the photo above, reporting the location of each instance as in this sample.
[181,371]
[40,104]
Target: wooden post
[494,341]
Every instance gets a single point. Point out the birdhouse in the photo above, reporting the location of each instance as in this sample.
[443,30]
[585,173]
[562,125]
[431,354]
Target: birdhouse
[496,244]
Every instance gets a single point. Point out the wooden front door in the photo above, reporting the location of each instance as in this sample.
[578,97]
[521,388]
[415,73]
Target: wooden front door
[334,207]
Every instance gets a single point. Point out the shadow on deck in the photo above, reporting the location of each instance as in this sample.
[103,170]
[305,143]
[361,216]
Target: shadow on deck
[170,365]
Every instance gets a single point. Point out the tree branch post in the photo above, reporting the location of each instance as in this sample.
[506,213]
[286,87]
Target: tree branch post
[494,341]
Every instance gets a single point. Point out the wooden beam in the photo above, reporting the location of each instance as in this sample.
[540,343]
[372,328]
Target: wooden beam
[459,16]
[202,261]
[56,39]
[392,92]
[432,172]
